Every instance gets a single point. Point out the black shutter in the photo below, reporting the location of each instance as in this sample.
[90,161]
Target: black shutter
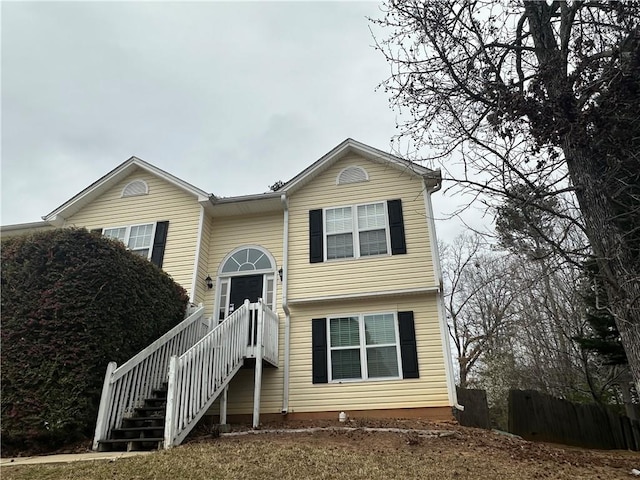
[396,227]
[316,236]
[159,241]
[96,230]
[319,350]
[408,350]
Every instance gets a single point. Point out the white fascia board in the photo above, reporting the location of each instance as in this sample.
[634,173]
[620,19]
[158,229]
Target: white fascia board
[347,146]
[201,195]
[24,226]
[57,216]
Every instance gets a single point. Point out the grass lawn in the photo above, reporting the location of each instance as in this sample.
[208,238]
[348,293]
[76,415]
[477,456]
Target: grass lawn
[467,454]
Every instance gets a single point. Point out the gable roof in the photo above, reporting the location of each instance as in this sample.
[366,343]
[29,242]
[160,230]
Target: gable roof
[270,201]
[244,204]
[351,146]
[97,188]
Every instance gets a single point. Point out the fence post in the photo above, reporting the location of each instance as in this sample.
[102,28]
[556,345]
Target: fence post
[223,405]
[105,406]
[170,420]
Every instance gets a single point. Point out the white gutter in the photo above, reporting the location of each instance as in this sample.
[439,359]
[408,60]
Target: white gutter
[285,305]
[433,184]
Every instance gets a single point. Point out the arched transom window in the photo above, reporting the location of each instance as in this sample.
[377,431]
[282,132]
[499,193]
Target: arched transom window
[247,260]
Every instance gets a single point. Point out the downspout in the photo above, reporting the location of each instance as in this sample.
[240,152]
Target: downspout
[285,305]
[433,183]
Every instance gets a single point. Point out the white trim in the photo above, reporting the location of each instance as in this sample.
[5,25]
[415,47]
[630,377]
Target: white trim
[352,146]
[127,235]
[226,277]
[247,272]
[196,262]
[111,179]
[285,305]
[218,295]
[24,226]
[362,347]
[355,231]
[442,320]
[349,296]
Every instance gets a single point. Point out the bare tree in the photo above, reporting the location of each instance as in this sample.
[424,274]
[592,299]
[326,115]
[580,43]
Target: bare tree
[514,316]
[541,94]
[479,300]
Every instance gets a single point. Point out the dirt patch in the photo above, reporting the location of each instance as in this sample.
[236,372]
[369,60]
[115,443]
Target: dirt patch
[357,453]
[465,449]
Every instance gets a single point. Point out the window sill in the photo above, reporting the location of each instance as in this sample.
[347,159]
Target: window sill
[351,259]
[364,380]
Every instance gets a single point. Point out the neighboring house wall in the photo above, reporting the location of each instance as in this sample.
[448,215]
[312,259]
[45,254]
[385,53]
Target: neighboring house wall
[164,202]
[370,274]
[24,229]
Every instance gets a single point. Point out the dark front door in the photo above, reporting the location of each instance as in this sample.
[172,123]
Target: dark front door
[242,288]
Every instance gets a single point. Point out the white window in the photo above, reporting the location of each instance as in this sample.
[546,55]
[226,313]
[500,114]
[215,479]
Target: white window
[363,347]
[137,238]
[357,231]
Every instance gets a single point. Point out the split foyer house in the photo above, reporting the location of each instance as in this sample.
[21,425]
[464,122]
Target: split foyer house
[318,298]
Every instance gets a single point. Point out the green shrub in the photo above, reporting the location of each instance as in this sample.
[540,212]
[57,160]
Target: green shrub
[71,302]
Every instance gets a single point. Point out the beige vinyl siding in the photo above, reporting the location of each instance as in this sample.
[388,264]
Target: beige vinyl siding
[163,202]
[203,294]
[228,234]
[430,390]
[366,274]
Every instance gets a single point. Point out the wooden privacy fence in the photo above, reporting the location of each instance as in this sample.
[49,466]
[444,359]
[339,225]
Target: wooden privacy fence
[540,417]
[476,410]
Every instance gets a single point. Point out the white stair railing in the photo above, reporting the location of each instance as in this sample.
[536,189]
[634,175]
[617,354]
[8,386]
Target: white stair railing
[269,334]
[127,386]
[197,377]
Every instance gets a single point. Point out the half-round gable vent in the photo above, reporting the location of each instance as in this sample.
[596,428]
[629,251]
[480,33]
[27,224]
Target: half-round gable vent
[352,175]
[137,187]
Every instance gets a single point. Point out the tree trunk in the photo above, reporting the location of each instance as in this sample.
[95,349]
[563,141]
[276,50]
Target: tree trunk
[462,364]
[615,256]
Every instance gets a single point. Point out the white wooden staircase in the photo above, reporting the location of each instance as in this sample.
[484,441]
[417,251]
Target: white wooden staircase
[156,398]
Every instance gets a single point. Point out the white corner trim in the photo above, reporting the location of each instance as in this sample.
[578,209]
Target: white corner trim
[348,296]
[437,272]
[196,262]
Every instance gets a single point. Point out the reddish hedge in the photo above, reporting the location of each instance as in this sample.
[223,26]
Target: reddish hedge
[71,302]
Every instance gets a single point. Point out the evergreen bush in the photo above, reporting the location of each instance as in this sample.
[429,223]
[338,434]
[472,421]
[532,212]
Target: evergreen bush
[72,301]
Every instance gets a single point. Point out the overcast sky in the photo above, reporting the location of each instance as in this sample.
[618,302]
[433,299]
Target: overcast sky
[227,96]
